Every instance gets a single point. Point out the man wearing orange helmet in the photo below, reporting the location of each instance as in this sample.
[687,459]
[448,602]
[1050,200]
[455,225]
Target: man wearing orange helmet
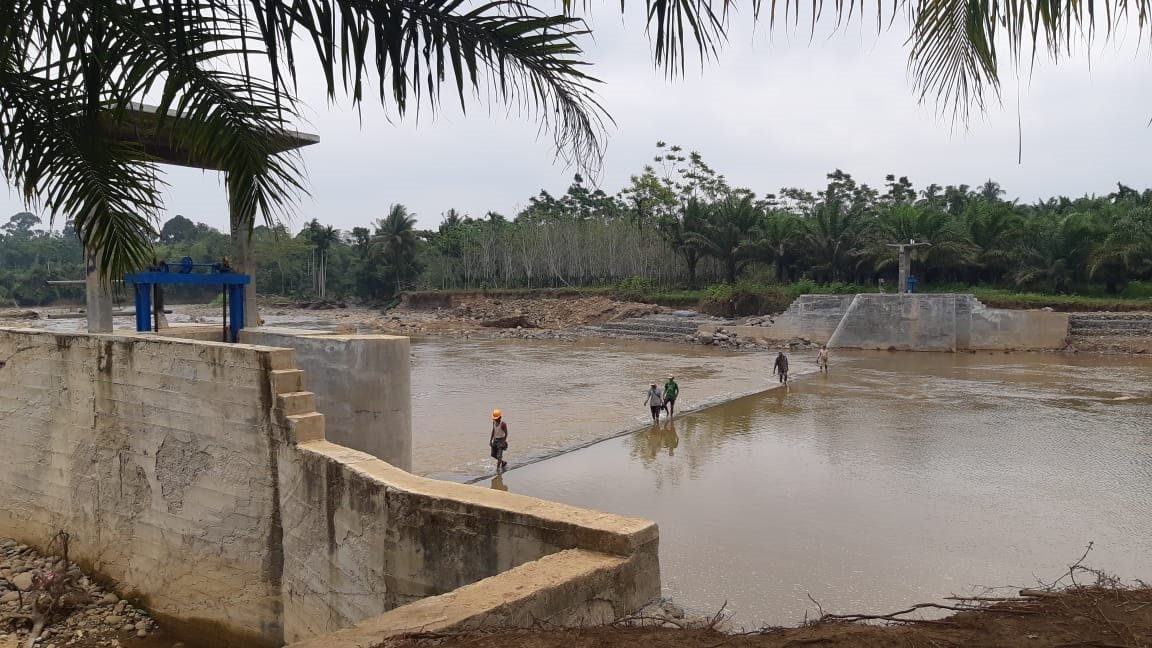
[499,440]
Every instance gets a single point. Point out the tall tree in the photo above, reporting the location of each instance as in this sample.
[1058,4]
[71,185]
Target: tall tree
[730,234]
[394,243]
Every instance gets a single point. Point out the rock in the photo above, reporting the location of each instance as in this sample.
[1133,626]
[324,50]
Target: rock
[10,597]
[119,607]
[109,599]
[128,627]
[114,620]
[141,633]
[674,611]
[23,581]
[141,625]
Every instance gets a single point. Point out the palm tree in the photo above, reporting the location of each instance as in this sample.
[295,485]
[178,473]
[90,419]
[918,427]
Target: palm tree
[950,245]
[729,234]
[395,242]
[679,231]
[73,71]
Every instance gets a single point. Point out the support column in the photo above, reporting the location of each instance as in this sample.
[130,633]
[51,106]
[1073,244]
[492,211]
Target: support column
[98,297]
[243,260]
[904,263]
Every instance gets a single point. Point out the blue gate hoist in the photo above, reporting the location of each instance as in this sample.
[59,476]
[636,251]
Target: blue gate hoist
[149,296]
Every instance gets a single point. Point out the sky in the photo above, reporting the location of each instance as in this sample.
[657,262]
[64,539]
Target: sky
[775,109]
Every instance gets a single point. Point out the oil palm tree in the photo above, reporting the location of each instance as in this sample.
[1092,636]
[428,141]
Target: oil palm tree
[730,234]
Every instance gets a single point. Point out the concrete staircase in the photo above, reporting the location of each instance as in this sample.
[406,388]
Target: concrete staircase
[1110,324]
[662,327]
[295,407]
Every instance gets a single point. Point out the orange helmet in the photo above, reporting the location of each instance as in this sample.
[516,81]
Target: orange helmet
[496,414]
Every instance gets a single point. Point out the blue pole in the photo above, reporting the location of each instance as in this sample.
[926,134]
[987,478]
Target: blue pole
[236,296]
[143,307]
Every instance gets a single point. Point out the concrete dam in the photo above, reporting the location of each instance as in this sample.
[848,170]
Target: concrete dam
[913,322]
[201,477]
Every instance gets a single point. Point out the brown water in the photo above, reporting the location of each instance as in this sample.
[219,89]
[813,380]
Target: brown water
[897,478]
[555,395]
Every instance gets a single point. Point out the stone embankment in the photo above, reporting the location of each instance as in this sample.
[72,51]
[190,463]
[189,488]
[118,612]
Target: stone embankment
[1110,332]
[693,328]
[49,602]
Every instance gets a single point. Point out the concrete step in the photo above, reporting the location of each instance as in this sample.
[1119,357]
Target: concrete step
[306,427]
[287,380]
[293,403]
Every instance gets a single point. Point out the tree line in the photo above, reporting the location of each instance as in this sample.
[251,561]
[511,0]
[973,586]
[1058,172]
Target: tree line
[677,224]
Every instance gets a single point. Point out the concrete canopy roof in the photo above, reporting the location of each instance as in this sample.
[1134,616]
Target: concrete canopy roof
[141,124]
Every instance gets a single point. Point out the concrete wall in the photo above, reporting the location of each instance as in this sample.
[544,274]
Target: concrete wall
[197,475]
[908,322]
[362,385]
[362,538]
[159,458]
[814,317]
[944,322]
[994,328]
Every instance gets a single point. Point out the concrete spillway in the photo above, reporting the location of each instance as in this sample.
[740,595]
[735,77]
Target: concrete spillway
[918,322]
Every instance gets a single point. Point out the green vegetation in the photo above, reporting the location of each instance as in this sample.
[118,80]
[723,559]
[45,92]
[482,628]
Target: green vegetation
[679,235]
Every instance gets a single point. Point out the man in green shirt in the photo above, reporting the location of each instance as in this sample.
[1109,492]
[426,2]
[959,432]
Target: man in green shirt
[671,391]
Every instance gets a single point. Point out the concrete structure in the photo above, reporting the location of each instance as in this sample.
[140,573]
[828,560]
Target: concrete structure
[197,476]
[913,322]
[97,297]
[362,385]
[814,317]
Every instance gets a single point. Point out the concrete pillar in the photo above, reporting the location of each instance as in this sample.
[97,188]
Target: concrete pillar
[242,259]
[98,298]
[902,287]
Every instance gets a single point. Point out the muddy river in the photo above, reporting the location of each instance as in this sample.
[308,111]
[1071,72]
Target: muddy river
[897,478]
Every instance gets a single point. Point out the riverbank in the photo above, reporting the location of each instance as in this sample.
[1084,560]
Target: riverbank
[1108,616]
[566,317]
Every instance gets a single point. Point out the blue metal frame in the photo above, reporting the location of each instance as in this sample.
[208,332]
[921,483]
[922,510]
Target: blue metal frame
[233,284]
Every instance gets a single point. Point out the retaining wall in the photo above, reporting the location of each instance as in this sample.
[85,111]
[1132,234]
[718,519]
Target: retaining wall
[362,385]
[814,317]
[914,322]
[197,476]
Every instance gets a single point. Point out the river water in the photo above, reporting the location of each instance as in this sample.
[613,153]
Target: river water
[896,478]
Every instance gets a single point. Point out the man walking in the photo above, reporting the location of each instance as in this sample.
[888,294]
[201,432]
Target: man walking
[671,391]
[655,401]
[780,368]
[822,359]
[499,440]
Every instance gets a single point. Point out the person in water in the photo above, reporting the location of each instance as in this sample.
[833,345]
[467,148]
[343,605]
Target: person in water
[780,368]
[655,401]
[822,359]
[499,440]
[671,391]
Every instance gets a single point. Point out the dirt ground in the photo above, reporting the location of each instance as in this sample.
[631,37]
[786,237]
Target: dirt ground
[1104,617]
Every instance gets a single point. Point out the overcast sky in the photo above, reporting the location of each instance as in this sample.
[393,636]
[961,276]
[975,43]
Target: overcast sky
[774,110]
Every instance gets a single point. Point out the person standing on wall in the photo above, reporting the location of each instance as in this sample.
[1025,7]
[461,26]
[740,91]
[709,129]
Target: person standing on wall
[822,359]
[671,391]
[499,440]
[780,368]
[655,401]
